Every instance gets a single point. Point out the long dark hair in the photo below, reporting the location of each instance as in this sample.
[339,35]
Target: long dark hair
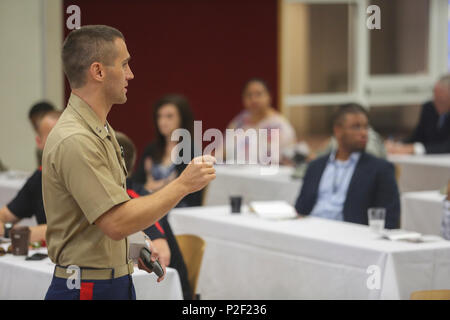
[186,117]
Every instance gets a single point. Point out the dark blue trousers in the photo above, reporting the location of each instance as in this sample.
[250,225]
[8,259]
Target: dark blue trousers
[114,289]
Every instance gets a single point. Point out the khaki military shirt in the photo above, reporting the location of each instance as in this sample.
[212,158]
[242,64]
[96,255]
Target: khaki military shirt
[83,176]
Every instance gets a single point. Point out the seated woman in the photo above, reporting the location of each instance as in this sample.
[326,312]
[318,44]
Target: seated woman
[155,168]
[259,114]
[160,233]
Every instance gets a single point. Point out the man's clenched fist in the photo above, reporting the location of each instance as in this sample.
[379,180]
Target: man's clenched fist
[198,173]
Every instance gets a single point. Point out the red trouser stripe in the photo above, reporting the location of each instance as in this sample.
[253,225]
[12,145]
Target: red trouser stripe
[86,290]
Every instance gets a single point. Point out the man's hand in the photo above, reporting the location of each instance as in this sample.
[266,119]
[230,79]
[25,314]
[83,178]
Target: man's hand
[198,173]
[162,247]
[398,148]
[154,257]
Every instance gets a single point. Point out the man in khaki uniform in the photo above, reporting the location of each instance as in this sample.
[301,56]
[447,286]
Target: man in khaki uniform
[89,213]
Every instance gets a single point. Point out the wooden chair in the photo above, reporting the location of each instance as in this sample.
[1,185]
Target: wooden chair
[192,248]
[431,295]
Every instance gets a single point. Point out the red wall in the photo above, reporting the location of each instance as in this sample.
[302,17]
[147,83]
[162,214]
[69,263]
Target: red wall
[204,49]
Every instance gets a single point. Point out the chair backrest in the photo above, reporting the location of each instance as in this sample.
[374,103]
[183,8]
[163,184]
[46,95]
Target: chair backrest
[192,248]
[431,295]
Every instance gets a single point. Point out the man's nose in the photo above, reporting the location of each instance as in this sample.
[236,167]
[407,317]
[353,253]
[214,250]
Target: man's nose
[365,133]
[130,75]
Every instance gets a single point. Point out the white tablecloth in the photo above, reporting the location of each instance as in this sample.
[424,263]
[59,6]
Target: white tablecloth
[10,183]
[420,173]
[29,280]
[422,211]
[309,258]
[249,182]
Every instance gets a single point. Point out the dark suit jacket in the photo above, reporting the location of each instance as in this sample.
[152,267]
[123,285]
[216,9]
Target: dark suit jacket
[435,140]
[372,185]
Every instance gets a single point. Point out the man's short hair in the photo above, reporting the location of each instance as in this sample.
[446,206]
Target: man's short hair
[129,150]
[37,111]
[345,109]
[87,45]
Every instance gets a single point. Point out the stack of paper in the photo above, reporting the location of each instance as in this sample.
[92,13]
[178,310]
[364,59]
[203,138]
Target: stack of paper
[136,242]
[273,210]
[399,234]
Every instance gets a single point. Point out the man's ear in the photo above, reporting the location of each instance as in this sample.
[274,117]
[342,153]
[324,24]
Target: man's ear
[97,72]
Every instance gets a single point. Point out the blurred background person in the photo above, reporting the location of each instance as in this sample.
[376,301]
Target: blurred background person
[28,201]
[342,185]
[432,133]
[374,146]
[258,113]
[155,168]
[36,113]
[161,234]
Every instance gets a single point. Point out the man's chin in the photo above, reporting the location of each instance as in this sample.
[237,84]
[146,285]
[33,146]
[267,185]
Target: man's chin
[359,148]
[122,100]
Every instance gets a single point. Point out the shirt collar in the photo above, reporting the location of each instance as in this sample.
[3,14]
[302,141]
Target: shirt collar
[354,157]
[88,115]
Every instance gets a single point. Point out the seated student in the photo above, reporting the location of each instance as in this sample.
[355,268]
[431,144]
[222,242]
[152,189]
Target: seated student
[258,113]
[37,111]
[432,134]
[28,201]
[375,145]
[161,235]
[156,169]
[342,185]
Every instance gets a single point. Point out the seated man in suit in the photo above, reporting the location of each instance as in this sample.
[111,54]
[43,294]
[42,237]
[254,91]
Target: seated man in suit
[343,184]
[432,134]
[28,201]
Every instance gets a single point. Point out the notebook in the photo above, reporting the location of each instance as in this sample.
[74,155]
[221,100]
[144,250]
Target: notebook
[273,210]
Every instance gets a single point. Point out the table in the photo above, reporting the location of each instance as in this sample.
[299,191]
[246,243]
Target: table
[29,280]
[252,184]
[422,211]
[10,183]
[308,258]
[420,173]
